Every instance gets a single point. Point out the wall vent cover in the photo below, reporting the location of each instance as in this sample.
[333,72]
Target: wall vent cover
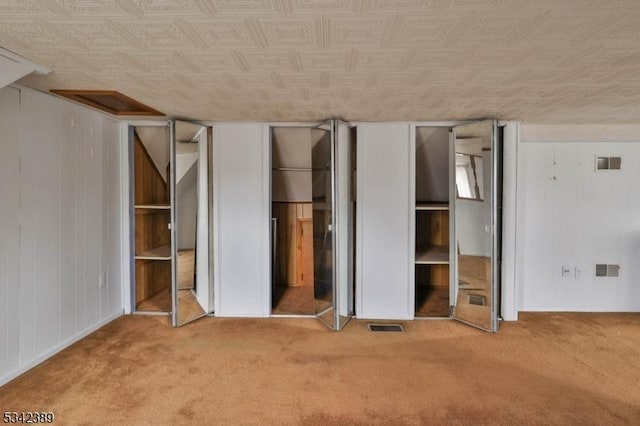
[398,328]
[605,270]
[476,299]
[608,162]
[109,101]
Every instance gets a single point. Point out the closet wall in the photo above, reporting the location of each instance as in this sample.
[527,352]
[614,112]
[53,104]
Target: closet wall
[241,216]
[384,251]
[60,264]
[571,217]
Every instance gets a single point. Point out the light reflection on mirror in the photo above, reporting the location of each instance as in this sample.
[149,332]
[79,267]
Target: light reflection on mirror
[469,177]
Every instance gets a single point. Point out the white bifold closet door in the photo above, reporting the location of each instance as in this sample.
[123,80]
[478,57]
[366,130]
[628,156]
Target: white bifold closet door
[241,209]
[383,214]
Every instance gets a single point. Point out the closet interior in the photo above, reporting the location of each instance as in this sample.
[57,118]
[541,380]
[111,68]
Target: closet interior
[292,283]
[152,216]
[432,222]
[169,187]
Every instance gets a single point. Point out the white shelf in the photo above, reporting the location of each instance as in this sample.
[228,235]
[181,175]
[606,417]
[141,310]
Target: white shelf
[432,255]
[153,206]
[158,253]
[432,206]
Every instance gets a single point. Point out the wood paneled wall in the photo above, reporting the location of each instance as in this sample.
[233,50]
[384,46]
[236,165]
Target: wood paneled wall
[152,229]
[152,277]
[432,275]
[432,228]
[287,245]
[150,187]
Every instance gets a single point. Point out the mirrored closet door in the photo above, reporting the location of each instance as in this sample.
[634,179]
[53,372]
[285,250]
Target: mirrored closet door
[192,287]
[477,177]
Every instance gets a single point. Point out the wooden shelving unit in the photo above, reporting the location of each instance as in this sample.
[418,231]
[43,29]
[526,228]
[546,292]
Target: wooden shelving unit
[153,269]
[153,207]
[432,206]
[158,253]
[432,255]
[432,244]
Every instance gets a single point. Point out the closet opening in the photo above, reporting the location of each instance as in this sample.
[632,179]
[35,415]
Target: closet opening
[170,208]
[151,200]
[312,226]
[432,231]
[294,265]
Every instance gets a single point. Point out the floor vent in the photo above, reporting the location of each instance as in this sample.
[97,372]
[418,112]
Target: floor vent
[386,327]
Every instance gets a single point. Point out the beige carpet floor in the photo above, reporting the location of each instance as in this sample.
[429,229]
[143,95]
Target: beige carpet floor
[571,369]
[293,300]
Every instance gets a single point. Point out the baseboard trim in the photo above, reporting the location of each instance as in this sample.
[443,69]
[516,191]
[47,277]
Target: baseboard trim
[63,345]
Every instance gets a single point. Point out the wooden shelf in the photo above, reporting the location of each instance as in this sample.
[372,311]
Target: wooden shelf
[158,253]
[432,206]
[432,255]
[153,206]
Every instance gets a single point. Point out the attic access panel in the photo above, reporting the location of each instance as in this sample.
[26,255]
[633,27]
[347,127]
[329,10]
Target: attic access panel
[110,101]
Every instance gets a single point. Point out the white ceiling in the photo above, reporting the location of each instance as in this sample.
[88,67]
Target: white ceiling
[546,61]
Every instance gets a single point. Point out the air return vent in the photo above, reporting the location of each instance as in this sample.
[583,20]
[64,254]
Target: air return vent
[608,163]
[398,328]
[476,299]
[109,101]
[605,270]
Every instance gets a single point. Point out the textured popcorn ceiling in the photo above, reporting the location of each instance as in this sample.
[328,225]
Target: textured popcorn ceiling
[531,60]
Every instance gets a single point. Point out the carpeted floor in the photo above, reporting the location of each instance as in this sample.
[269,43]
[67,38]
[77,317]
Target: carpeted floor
[546,369]
[293,300]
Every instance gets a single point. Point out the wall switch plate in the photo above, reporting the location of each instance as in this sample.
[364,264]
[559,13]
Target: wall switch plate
[100,280]
[566,271]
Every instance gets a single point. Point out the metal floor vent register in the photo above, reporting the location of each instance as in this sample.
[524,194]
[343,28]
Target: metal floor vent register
[386,327]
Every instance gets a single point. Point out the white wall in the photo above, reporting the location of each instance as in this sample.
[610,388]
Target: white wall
[567,214]
[242,219]
[60,265]
[385,200]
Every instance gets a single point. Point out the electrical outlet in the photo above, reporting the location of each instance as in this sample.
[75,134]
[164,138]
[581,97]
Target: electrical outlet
[566,271]
[578,273]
